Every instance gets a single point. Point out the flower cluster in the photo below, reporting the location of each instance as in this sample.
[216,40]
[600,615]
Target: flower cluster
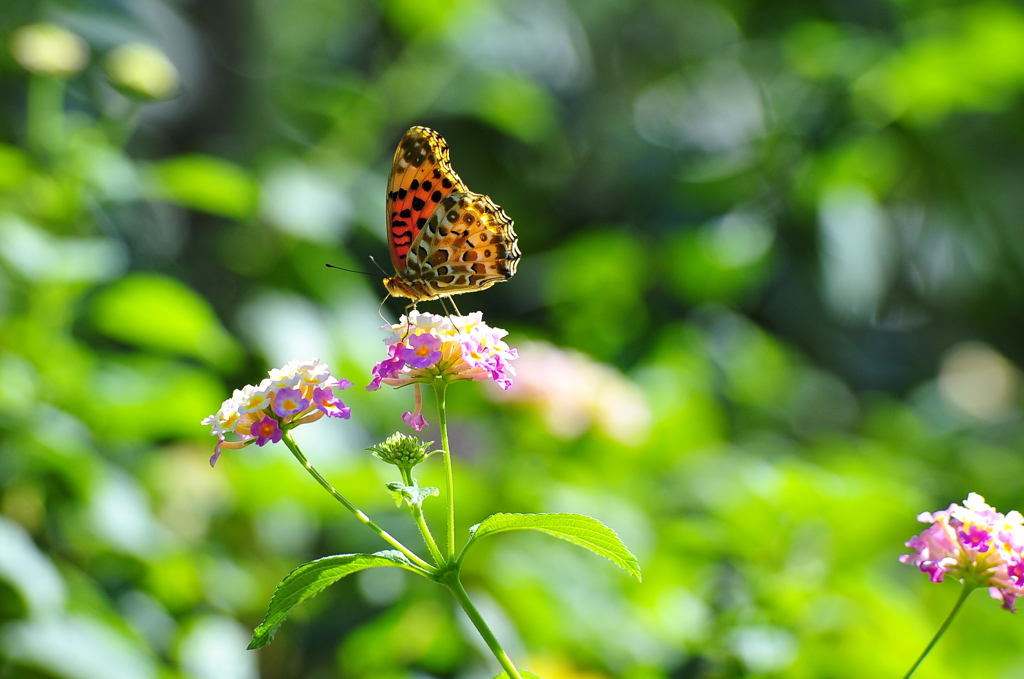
[298,393]
[974,544]
[423,347]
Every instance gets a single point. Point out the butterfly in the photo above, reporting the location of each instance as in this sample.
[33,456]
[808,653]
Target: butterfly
[444,239]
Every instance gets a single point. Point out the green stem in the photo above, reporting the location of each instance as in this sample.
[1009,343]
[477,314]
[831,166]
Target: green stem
[455,585]
[45,124]
[292,446]
[417,514]
[122,124]
[440,386]
[964,593]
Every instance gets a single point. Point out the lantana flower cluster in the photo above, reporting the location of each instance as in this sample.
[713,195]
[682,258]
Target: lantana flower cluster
[974,544]
[423,346]
[300,392]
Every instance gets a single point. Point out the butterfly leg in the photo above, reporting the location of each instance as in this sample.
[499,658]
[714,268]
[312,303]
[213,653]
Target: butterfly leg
[408,324]
[381,307]
[448,314]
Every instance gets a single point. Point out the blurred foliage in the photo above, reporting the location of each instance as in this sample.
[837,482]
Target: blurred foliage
[787,234]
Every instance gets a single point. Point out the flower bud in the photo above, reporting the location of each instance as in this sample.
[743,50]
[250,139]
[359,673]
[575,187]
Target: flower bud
[142,71]
[48,49]
[405,452]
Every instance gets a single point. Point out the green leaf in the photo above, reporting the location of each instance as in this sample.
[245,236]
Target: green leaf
[160,313]
[310,578]
[14,167]
[129,388]
[578,529]
[414,495]
[205,183]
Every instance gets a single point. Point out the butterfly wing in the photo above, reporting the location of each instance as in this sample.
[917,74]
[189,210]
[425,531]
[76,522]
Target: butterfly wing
[466,244]
[421,178]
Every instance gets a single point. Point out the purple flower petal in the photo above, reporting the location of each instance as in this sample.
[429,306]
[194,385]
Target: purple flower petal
[329,404]
[289,402]
[389,367]
[266,431]
[424,350]
[416,421]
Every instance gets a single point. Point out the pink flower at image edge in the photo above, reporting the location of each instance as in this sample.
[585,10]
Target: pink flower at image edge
[974,544]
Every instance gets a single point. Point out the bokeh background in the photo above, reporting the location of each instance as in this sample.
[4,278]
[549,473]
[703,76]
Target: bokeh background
[769,309]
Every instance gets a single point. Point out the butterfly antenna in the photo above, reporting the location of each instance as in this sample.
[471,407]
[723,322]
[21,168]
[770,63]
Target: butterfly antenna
[339,268]
[378,266]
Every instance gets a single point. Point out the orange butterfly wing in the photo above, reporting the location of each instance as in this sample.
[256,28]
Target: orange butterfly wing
[421,177]
[444,239]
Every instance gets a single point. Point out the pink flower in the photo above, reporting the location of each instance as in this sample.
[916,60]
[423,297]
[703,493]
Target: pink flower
[424,350]
[974,544]
[416,421]
[298,393]
[289,402]
[266,431]
[329,404]
[389,367]
[974,537]
[426,347]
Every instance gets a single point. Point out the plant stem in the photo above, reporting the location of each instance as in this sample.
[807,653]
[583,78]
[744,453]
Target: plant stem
[440,387]
[122,124]
[45,125]
[417,514]
[455,585]
[964,593]
[292,446]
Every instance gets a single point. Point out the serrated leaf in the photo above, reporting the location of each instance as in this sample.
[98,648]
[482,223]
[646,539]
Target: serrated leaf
[310,579]
[578,529]
[414,495]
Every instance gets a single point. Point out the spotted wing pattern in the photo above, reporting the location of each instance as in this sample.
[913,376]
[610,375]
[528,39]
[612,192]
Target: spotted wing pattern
[421,177]
[467,244]
[444,239]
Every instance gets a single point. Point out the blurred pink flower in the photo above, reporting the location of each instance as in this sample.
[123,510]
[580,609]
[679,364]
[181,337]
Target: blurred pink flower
[974,544]
[573,393]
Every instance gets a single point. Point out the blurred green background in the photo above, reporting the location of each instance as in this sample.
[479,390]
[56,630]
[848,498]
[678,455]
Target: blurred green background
[769,309]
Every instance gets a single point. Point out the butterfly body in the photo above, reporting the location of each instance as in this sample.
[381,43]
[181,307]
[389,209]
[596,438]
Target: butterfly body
[443,238]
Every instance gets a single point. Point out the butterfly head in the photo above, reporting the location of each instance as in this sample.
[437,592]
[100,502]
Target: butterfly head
[415,290]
